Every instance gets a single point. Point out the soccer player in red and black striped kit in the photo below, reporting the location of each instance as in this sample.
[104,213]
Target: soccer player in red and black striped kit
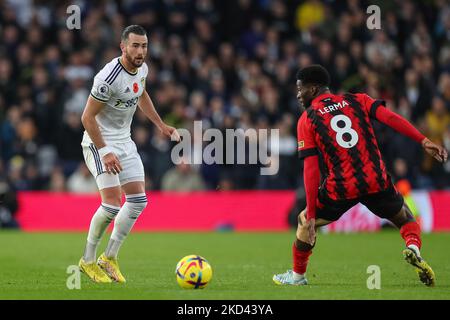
[335,131]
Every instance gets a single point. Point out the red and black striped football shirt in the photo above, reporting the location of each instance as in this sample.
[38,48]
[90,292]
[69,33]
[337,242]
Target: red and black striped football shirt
[338,128]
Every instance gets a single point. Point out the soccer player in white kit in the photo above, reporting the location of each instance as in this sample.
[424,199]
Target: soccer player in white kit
[111,155]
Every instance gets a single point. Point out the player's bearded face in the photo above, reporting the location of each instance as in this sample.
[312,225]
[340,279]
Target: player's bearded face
[135,59]
[136,50]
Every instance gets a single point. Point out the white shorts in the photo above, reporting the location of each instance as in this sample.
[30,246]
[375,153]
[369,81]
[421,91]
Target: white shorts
[132,167]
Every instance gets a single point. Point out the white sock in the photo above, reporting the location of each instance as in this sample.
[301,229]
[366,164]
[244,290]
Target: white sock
[124,222]
[298,276]
[415,248]
[99,222]
[112,250]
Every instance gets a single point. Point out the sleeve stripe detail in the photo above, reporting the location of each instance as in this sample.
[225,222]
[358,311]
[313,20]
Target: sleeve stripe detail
[101,100]
[307,152]
[117,66]
[375,105]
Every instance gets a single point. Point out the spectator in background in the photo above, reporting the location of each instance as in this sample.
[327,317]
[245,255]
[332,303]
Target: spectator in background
[437,120]
[286,148]
[57,181]
[8,204]
[71,134]
[381,52]
[309,14]
[401,170]
[182,178]
[82,181]
[416,93]
[9,133]
[158,153]
[446,143]
[444,88]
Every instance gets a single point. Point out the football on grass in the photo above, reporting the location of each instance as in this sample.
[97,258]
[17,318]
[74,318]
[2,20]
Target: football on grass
[193,272]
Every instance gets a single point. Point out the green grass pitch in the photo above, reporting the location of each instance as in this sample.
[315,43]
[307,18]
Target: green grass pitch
[33,266]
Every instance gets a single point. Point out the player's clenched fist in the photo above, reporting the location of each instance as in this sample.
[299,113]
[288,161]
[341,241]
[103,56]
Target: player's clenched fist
[112,163]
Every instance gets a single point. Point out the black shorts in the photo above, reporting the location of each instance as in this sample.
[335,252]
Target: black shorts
[385,204]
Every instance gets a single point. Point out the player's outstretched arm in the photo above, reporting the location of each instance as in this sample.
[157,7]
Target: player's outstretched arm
[402,125]
[146,105]
[110,160]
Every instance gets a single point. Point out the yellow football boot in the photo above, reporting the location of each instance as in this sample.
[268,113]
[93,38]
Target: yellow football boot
[93,271]
[426,274]
[111,267]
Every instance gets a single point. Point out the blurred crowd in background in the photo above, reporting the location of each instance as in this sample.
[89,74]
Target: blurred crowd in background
[230,64]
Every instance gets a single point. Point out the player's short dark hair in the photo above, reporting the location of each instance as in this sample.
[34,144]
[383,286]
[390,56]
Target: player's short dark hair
[134,28]
[314,74]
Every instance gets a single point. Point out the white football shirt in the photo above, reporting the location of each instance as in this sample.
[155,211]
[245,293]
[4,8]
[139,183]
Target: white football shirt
[120,91]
